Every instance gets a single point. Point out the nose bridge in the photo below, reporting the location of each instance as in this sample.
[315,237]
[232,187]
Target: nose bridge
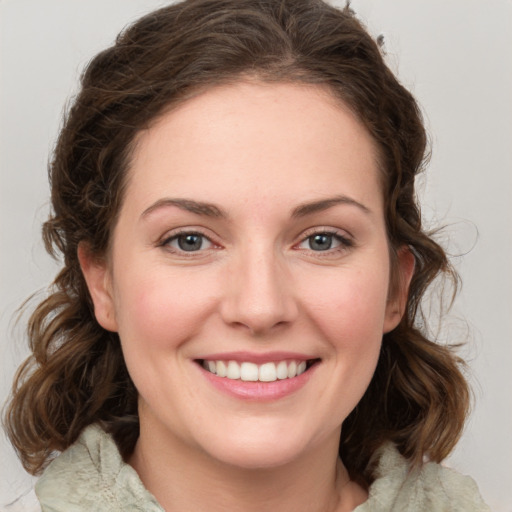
[260,294]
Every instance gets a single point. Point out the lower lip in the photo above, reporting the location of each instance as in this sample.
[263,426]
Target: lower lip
[259,391]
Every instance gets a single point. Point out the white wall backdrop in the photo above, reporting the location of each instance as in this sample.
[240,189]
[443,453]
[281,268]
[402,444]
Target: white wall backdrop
[454,55]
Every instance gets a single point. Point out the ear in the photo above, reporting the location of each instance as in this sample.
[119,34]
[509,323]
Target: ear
[397,302]
[99,282]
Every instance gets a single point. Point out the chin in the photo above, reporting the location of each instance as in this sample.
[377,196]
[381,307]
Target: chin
[255,456]
[257,450]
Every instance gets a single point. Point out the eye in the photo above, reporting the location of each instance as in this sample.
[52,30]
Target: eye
[320,242]
[188,242]
[324,241]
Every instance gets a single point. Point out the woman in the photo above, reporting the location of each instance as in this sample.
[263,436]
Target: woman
[236,322]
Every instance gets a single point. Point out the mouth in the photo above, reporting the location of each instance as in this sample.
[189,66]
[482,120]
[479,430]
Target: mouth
[247,371]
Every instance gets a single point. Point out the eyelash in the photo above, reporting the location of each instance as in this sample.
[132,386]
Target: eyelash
[345,243]
[165,243]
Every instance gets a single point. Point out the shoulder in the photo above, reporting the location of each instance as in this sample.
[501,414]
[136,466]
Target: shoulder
[432,488]
[91,475]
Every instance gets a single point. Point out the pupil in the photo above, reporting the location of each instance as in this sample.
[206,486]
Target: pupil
[320,242]
[190,242]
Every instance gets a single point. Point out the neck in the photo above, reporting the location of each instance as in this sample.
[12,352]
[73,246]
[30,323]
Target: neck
[182,477]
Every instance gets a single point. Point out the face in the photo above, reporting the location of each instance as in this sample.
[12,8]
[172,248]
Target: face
[249,272]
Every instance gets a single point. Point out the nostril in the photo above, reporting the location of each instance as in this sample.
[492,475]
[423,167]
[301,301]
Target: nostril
[258,327]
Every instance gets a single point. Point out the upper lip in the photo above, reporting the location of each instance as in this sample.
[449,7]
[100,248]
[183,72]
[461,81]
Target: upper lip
[257,358]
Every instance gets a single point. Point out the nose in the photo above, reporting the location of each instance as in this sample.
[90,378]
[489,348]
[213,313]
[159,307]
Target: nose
[259,294]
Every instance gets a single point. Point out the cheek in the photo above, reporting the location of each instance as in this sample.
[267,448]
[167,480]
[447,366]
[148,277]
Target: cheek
[159,310]
[350,307]
[350,318]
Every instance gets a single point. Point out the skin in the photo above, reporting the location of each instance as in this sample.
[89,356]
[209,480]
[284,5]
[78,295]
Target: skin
[258,152]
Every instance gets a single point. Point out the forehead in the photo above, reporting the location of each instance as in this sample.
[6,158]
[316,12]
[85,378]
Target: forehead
[256,139]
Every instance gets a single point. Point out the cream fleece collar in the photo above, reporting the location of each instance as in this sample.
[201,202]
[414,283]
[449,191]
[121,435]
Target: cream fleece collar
[91,475]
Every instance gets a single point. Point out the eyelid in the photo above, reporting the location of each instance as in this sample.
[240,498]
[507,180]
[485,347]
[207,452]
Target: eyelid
[345,238]
[171,235]
[328,230]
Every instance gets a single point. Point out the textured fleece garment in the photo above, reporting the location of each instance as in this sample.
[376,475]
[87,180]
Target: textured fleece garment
[91,476]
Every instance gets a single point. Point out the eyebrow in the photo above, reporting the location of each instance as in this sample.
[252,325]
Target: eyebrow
[197,207]
[324,204]
[211,210]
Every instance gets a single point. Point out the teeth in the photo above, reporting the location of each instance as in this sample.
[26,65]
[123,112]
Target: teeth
[282,370]
[233,371]
[292,369]
[248,371]
[251,372]
[220,369]
[268,372]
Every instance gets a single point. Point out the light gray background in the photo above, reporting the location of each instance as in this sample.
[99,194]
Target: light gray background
[453,54]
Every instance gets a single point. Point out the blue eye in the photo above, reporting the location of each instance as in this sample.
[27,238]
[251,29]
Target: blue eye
[320,242]
[324,241]
[189,242]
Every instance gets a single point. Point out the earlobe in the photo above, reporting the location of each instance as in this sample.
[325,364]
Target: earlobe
[395,308]
[99,283]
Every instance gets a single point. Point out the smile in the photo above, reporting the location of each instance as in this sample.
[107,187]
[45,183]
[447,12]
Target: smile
[252,372]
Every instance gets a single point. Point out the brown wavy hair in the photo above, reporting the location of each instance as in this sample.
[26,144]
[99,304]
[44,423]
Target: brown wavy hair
[76,375]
